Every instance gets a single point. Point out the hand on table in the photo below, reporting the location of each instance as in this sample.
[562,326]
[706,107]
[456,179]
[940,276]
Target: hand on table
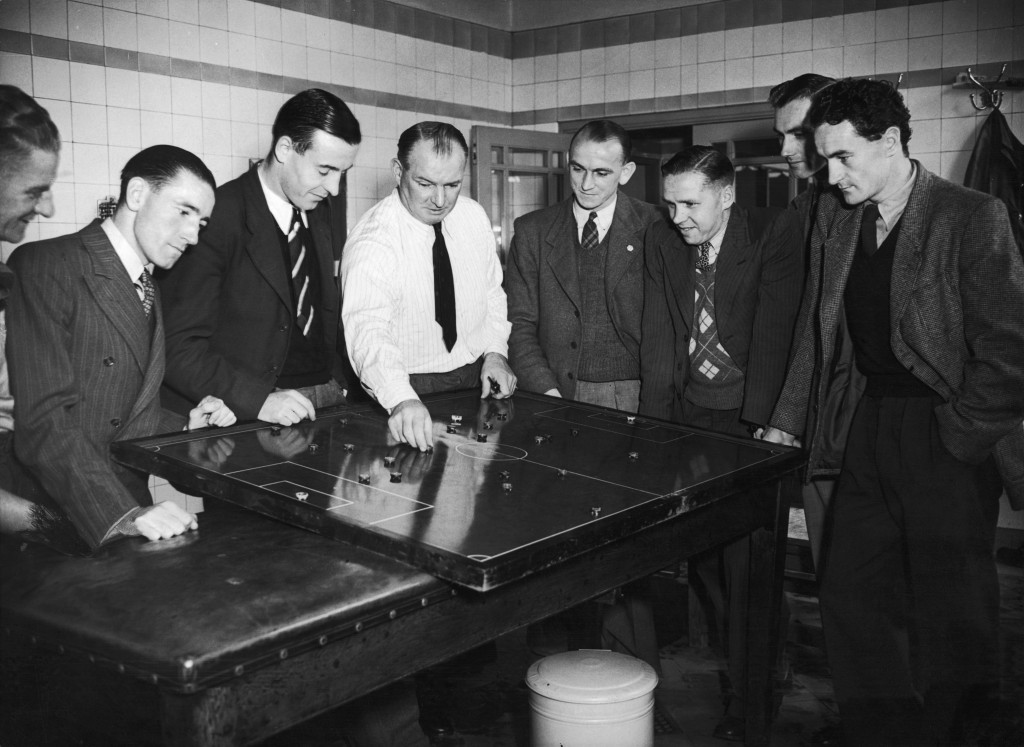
[496,377]
[287,443]
[164,520]
[410,424]
[286,407]
[210,411]
[211,452]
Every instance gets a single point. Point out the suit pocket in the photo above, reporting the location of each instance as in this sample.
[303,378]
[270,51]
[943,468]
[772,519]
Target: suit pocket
[935,308]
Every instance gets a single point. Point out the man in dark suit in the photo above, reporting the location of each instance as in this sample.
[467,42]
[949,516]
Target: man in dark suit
[86,348]
[575,280]
[929,282]
[722,290]
[253,314]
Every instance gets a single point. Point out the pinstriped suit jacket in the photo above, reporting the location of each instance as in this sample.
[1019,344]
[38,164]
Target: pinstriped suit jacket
[758,281]
[956,308]
[85,371]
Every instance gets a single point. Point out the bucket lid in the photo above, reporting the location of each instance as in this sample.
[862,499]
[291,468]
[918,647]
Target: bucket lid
[591,676]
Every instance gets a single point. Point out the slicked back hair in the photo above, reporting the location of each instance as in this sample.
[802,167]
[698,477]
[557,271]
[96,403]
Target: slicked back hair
[442,137]
[160,164]
[801,87]
[601,131]
[24,126]
[870,106]
[714,165]
[309,111]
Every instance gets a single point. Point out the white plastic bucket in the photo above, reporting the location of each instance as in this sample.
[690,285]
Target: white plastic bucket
[591,698]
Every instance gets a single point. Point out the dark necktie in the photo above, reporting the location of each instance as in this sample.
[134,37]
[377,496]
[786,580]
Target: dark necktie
[299,260]
[444,290]
[868,229]
[148,292]
[704,256]
[589,240]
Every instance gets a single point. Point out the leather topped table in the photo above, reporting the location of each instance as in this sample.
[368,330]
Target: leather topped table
[247,626]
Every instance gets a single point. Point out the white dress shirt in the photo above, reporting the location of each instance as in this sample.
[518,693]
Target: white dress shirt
[603,219]
[128,256]
[387,311]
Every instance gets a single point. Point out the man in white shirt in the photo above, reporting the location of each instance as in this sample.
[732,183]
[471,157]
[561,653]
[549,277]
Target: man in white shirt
[423,309]
[86,349]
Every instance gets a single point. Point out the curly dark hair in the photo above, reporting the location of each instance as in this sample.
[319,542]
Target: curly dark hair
[870,106]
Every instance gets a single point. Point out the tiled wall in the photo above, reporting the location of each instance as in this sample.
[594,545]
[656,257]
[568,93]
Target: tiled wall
[209,75]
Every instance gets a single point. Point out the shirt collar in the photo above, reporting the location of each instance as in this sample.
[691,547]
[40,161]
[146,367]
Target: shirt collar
[280,208]
[604,215]
[125,252]
[891,208]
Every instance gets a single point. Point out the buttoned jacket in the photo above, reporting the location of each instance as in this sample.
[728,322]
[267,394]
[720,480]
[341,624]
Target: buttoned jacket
[758,281]
[545,303]
[85,371]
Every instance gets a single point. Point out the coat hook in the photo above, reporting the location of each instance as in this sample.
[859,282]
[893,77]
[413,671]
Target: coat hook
[995,97]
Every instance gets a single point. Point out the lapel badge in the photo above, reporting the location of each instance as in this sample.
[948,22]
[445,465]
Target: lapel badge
[629,248]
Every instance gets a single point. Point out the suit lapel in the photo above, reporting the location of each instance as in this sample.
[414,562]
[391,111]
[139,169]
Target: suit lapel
[265,247]
[561,254]
[732,256]
[115,293]
[153,374]
[624,246]
[839,250]
[906,261]
[680,262]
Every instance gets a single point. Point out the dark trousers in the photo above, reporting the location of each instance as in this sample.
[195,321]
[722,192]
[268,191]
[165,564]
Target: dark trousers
[725,571]
[909,594]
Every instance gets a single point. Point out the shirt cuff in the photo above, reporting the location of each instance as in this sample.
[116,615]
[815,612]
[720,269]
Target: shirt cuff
[124,527]
[391,395]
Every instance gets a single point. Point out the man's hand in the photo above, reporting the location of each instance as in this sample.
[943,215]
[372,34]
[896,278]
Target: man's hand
[210,411]
[164,520]
[285,444]
[211,452]
[410,424]
[496,377]
[775,436]
[286,407]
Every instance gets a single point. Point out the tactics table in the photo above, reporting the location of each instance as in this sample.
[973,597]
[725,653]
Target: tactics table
[246,626]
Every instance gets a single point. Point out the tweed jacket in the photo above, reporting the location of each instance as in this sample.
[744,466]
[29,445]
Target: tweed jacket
[85,371]
[957,317]
[544,297]
[228,303]
[758,282]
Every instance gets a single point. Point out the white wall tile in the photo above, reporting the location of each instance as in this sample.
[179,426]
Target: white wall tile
[710,46]
[859,60]
[924,103]
[91,164]
[154,35]
[828,62]
[318,34]
[796,63]
[891,56]
[184,40]
[186,97]
[925,52]
[641,55]
[739,43]
[154,92]
[16,16]
[89,123]
[269,56]
[958,133]
[187,132]
[216,100]
[666,83]
[925,137]
[60,113]
[739,73]
[545,68]
[155,128]
[341,69]
[859,28]
[925,20]
[768,39]
[767,69]
[120,30]
[995,45]
[616,59]
[217,136]
[156,8]
[268,22]
[891,23]
[688,79]
[85,23]
[797,36]
[710,77]
[242,17]
[245,140]
[827,32]
[47,19]
[214,14]
[666,53]
[616,87]
[213,46]
[88,83]
[293,61]
[243,104]
[122,88]
[959,49]
[959,16]
[186,11]
[50,78]
[641,84]
[568,65]
[124,126]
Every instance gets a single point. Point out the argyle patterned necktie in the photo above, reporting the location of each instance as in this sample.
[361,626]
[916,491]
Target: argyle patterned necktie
[589,240]
[704,256]
[148,292]
[444,290]
[299,259]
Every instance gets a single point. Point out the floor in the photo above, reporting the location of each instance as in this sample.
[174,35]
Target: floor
[493,708]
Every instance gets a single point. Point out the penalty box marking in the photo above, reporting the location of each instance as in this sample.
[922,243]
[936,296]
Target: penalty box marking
[422,506]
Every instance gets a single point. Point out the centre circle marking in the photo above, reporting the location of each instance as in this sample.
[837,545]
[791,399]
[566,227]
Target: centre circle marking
[494,452]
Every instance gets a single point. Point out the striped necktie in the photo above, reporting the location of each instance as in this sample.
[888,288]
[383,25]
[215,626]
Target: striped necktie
[300,258]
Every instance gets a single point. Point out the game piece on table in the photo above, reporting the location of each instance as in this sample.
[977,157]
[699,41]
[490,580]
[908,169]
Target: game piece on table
[364,479]
[507,487]
[574,431]
[350,447]
[538,439]
[275,430]
[481,437]
[502,416]
[504,474]
[634,456]
[595,511]
[314,446]
[452,429]
[388,461]
[343,422]
[488,426]
[631,419]
[495,386]
[396,477]
[456,419]
[562,473]
[302,495]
